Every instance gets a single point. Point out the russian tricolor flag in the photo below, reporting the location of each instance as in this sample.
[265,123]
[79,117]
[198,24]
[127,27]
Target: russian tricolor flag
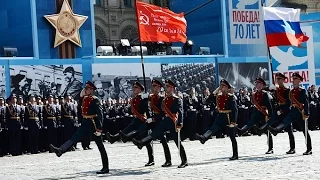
[282,27]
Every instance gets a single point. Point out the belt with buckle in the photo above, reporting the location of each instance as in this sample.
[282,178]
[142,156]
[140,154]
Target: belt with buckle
[33,118]
[15,118]
[52,118]
[224,111]
[89,116]
[67,116]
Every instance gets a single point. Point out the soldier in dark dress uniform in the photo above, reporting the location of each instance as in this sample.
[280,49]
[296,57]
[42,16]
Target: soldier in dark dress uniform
[244,104]
[299,110]
[92,116]
[68,114]
[314,102]
[262,111]
[282,108]
[50,121]
[14,119]
[140,110]
[3,128]
[227,117]
[24,131]
[32,119]
[172,106]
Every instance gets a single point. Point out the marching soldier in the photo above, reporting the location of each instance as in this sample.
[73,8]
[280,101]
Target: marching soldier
[299,110]
[227,117]
[140,111]
[32,121]
[172,106]
[262,111]
[14,119]
[282,108]
[50,121]
[92,116]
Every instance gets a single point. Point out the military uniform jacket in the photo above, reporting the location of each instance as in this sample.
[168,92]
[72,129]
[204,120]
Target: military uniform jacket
[68,111]
[50,115]
[2,117]
[282,98]
[298,97]
[140,108]
[14,116]
[155,101]
[173,108]
[32,114]
[226,104]
[262,103]
[91,106]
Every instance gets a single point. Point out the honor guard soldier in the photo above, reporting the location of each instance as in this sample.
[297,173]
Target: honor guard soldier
[227,117]
[140,110]
[282,109]
[68,114]
[24,131]
[262,111]
[14,119]
[155,102]
[32,118]
[92,116]
[172,106]
[3,128]
[299,110]
[314,106]
[50,121]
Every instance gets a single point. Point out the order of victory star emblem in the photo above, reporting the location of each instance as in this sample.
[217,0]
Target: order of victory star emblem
[67,25]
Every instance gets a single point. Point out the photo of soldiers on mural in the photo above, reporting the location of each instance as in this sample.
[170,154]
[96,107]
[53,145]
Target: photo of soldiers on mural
[44,80]
[243,74]
[197,75]
[115,81]
[2,82]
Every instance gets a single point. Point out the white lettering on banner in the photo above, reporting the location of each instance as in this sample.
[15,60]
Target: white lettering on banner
[246,25]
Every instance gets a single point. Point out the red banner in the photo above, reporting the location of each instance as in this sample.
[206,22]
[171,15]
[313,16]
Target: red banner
[159,24]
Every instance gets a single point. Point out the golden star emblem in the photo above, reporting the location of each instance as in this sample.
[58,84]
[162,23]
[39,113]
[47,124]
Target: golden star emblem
[67,25]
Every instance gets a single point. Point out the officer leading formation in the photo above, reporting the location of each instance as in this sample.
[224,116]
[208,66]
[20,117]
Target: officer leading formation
[57,124]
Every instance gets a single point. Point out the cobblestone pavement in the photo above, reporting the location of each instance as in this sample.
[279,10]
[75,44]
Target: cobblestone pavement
[209,161]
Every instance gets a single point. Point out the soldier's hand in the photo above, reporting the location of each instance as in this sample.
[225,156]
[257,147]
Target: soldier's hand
[179,126]
[98,132]
[279,113]
[149,120]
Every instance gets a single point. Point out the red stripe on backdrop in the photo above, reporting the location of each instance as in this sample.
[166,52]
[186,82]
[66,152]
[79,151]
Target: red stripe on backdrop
[285,39]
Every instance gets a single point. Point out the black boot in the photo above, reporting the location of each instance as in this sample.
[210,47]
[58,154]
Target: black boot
[150,155]
[62,149]
[105,168]
[184,161]
[142,142]
[291,151]
[234,151]
[203,138]
[262,129]
[112,138]
[270,151]
[308,152]
[126,137]
[242,130]
[276,130]
[167,164]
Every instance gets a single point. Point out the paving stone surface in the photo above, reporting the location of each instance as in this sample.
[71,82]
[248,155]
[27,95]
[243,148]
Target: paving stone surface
[208,161]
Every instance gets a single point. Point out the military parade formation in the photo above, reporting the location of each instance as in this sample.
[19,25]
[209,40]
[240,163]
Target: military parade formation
[57,124]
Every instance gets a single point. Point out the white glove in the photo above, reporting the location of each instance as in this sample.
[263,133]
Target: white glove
[82,93]
[204,106]
[117,116]
[149,120]
[107,116]
[21,127]
[243,106]
[97,133]
[144,95]
[279,113]
[191,107]
[313,103]
[26,128]
[126,114]
[45,127]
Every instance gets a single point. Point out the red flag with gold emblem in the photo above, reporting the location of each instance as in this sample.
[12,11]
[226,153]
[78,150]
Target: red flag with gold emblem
[160,24]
